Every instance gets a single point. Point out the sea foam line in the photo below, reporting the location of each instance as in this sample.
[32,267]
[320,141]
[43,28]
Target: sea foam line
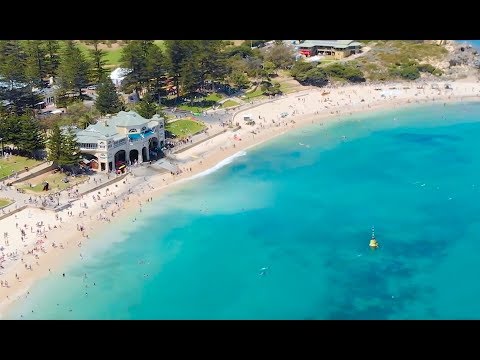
[216,167]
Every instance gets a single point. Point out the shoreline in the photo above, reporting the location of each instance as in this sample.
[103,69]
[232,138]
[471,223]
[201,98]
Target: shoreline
[120,202]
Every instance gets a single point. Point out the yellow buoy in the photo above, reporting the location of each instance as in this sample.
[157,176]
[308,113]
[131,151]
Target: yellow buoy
[373,242]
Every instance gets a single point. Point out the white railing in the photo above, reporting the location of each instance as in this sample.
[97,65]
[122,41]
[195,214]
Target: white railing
[82,147]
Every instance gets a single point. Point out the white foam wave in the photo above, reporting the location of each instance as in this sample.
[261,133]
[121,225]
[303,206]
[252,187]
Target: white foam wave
[218,166]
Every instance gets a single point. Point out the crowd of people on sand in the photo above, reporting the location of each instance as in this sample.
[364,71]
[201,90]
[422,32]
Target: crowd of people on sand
[33,234]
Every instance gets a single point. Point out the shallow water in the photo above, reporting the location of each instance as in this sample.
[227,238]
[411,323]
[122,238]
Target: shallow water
[303,206]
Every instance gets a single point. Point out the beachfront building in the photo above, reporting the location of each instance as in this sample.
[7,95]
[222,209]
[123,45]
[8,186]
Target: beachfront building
[123,139]
[338,49]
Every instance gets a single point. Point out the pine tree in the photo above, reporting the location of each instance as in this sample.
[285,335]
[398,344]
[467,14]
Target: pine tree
[13,88]
[191,75]
[107,101]
[177,51]
[52,48]
[12,62]
[10,129]
[35,63]
[97,55]
[54,144]
[73,69]
[31,138]
[147,107]
[134,57]
[191,62]
[211,60]
[156,69]
[69,150]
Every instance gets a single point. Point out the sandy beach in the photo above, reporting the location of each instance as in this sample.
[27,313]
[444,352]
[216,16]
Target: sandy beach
[37,243]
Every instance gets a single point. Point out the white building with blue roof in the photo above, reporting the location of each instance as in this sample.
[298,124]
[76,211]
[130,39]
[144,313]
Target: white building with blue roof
[123,139]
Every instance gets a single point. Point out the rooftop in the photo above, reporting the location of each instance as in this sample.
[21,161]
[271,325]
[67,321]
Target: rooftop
[98,131]
[124,119]
[107,129]
[338,44]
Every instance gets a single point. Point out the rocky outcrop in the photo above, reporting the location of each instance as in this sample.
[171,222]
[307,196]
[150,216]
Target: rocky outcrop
[438,42]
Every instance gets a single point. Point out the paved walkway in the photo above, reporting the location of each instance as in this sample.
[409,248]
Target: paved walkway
[23,175]
[10,192]
[212,129]
[49,200]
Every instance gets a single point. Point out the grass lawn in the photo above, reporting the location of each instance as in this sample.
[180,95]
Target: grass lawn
[192,108]
[253,94]
[229,103]
[184,128]
[15,163]
[213,97]
[4,202]
[201,104]
[113,55]
[286,87]
[55,181]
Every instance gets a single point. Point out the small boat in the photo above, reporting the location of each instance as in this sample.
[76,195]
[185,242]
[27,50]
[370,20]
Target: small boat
[373,242]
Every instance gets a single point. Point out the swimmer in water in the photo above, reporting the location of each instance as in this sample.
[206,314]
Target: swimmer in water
[263,271]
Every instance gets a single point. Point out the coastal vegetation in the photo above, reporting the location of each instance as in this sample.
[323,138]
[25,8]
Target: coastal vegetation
[384,61]
[310,73]
[400,59]
[411,70]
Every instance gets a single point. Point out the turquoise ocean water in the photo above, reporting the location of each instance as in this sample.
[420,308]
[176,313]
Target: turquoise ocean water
[475,43]
[301,205]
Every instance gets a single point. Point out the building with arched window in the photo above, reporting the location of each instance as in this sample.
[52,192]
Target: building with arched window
[123,139]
